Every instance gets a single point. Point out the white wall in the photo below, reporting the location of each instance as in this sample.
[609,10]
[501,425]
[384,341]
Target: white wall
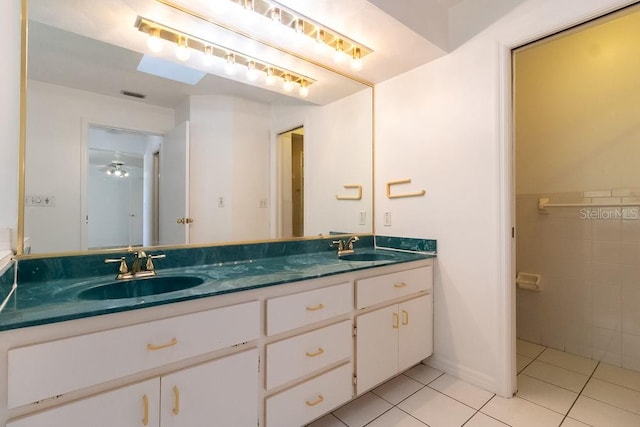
[55,128]
[9,113]
[445,126]
[229,155]
[337,151]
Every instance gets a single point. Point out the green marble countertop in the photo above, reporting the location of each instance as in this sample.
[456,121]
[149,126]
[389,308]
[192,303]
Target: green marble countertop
[50,301]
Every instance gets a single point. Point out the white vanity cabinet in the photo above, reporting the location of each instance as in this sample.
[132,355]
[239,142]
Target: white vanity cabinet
[394,337]
[277,356]
[224,390]
[132,406]
[316,352]
[53,368]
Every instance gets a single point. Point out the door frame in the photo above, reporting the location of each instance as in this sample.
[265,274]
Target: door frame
[84,160]
[506,368]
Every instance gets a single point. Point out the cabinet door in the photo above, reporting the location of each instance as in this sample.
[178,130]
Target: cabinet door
[132,406]
[376,347]
[223,392]
[416,331]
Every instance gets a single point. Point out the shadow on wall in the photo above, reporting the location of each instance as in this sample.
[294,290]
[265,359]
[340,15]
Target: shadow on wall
[447,23]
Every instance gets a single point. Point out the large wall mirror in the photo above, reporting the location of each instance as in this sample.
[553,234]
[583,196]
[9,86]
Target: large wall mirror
[125,147]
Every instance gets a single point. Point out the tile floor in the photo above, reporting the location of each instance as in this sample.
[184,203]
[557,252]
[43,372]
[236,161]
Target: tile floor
[554,388]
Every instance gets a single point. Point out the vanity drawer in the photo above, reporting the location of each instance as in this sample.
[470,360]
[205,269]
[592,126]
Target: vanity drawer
[300,355]
[49,369]
[307,401]
[293,311]
[374,290]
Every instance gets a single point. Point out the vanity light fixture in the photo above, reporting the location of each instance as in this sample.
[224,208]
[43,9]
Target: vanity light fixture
[303,25]
[233,60]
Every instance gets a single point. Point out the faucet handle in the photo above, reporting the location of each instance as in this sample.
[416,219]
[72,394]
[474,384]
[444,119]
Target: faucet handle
[150,258]
[340,244]
[123,264]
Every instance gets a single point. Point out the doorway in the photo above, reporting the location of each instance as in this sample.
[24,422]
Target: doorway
[290,149]
[577,188]
[118,210]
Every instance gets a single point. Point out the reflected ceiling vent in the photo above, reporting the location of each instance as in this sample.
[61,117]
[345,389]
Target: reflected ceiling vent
[133,94]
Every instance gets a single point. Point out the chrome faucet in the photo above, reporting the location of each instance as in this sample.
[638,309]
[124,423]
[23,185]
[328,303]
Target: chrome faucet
[137,269]
[345,247]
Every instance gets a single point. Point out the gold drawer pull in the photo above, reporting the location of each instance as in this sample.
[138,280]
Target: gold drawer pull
[320,399]
[396,321]
[171,343]
[145,404]
[315,307]
[405,317]
[400,285]
[317,353]
[176,400]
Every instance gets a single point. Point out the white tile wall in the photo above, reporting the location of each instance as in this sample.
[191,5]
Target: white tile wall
[589,303]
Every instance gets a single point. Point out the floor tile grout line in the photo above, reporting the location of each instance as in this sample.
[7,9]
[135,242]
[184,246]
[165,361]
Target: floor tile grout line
[396,404]
[459,401]
[580,394]
[547,382]
[616,384]
[486,403]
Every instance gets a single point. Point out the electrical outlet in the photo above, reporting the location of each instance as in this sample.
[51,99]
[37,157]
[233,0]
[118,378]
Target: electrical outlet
[362,218]
[387,219]
[262,203]
[221,202]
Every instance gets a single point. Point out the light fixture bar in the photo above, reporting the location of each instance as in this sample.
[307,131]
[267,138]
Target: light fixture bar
[209,48]
[309,27]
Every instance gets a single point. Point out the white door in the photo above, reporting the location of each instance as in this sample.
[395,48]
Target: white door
[416,331]
[174,187]
[376,347]
[132,406]
[223,392]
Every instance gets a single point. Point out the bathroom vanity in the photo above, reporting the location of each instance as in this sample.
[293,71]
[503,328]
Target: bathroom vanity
[281,352]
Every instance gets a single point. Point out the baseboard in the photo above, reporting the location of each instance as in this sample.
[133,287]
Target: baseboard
[480,379]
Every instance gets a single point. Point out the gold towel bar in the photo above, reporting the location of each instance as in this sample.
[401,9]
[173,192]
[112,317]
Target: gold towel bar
[358,196]
[402,181]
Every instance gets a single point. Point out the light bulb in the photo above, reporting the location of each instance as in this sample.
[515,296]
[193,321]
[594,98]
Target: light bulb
[219,7]
[182,50]
[208,56]
[276,15]
[304,90]
[287,86]
[230,66]
[340,55]
[299,26]
[356,64]
[248,4]
[154,42]
[320,45]
[270,79]
[252,73]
